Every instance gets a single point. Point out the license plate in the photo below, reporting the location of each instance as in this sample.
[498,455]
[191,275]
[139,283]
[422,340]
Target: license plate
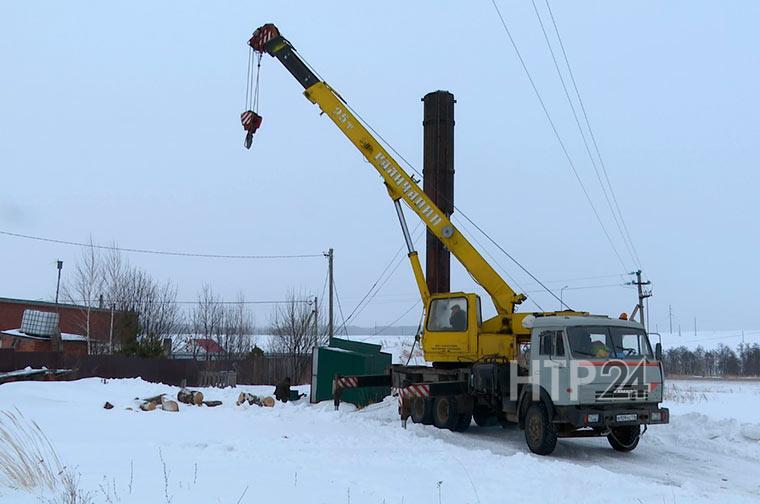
[630,417]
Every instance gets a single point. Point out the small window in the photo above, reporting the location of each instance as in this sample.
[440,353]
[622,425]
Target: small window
[545,343]
[559,344]
[448,314]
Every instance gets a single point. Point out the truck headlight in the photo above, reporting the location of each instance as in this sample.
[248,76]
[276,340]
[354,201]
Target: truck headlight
[655,416]
[592,418]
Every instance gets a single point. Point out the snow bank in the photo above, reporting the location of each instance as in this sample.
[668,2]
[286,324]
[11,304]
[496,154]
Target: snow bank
[298,452]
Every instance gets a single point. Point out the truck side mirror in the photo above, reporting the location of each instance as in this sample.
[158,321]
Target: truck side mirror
[658,351]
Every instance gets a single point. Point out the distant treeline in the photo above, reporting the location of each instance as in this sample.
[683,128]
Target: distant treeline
[722,361]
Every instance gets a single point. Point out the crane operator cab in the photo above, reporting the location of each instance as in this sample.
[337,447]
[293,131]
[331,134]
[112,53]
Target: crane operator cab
[452,324]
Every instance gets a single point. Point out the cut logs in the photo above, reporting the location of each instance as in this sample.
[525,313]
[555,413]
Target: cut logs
[254,399]
[148,406]
[169,405]
[190,397]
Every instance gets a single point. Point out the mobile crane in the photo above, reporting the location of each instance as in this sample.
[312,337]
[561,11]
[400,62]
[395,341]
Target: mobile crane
[514,367]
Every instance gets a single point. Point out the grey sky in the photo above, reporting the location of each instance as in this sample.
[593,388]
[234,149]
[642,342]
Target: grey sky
[120,121]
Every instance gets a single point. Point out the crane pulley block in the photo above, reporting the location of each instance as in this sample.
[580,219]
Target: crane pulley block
[262,35]
[251,122]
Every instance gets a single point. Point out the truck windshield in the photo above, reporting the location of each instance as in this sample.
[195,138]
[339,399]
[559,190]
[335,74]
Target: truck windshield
[608,343]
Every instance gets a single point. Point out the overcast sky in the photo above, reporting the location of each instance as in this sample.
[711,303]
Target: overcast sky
[120,121]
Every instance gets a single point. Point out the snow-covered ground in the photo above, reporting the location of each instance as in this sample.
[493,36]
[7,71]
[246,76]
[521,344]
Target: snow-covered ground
[304,453]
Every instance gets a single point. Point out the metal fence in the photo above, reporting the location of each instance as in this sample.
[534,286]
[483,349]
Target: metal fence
[263,370]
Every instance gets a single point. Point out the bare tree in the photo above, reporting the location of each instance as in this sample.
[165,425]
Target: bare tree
[237,338]
[207,318]
[85,289]
[295,331]
[111,279]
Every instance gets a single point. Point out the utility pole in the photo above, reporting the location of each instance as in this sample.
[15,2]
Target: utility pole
[642,295]
[58,285]
[670,318]
[316,323]
[110,336]
[695,327]
[329,256]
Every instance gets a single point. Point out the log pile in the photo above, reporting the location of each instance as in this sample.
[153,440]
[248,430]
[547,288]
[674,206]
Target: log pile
[251,399]
[192,397]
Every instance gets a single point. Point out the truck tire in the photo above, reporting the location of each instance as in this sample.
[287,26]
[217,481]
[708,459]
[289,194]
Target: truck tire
[463,422]
[484,417]
[540,432]
[422,411]
[445,414]
[624,439]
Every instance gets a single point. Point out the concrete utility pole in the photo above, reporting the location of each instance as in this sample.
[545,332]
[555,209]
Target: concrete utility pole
[642,295]
[329,256]
[58,285]
[316,323]
[670,318]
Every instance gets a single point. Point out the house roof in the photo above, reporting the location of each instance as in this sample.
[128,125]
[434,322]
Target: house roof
[209,345]
[64,336]
[49,304]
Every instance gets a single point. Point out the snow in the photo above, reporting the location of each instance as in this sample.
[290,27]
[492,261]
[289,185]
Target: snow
[298,452]
[64,336]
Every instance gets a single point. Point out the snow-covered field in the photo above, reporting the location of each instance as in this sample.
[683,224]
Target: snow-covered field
[304,453]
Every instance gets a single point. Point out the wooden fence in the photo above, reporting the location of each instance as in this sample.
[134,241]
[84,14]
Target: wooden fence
[262,370]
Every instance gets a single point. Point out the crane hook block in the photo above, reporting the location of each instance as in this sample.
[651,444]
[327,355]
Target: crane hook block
[251,122]
[262,36]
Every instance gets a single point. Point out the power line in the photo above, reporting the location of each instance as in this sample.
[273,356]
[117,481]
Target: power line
[580,129]
[108,302]
[158,252]
[458,209]
[583,287]
[340,308]
[397,318]
[557,135]
[370,295]
[591,132]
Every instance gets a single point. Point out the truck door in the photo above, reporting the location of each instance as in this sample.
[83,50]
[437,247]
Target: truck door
[553,371]
[450,321]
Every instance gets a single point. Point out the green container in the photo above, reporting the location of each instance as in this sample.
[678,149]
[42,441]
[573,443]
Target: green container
[344,357]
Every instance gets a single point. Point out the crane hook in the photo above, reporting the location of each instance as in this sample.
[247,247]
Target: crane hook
[251,122]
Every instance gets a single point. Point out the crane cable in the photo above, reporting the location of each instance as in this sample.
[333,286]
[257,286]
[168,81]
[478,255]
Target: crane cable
[252,82]
[559,138]
[411,166]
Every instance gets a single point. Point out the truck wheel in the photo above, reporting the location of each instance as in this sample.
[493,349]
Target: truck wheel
[624,439]
[463,422]
[422,411]
[484,417]
[540,433]
[445,415]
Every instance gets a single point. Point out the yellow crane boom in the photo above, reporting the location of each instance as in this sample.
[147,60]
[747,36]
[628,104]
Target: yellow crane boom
[480,338]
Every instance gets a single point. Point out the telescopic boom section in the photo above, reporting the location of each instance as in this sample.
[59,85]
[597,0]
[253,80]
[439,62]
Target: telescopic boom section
[399,184]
